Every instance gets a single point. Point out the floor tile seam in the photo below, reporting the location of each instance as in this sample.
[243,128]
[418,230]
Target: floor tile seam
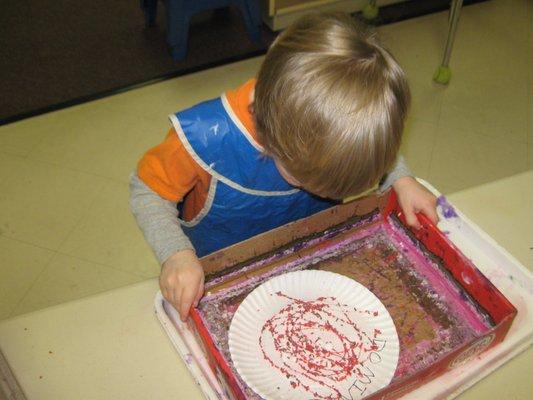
[482,134]
[48,264]
[31,286]
[484,180]
[433,144]
[17,155]
[529,116]
[507,139]
[81,171]
[99,263]
[442,95]
[39,246]
[36,145]
[417,119]
[2,180]
[60,166]
[437,118]
[30,150]
[55,303]
[431,159]
[62,240]
[81,218]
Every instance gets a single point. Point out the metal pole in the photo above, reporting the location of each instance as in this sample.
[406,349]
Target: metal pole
[443,73]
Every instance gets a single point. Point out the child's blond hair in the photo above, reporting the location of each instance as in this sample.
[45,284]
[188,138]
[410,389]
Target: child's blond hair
[330,104]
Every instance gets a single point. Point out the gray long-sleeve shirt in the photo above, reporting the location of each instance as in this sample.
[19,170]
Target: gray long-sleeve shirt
[158,217]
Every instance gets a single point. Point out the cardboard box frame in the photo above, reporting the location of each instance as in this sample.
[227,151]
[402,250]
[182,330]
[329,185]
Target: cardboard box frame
[501,311]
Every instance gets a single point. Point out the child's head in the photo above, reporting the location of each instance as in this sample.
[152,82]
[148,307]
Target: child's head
[329,105]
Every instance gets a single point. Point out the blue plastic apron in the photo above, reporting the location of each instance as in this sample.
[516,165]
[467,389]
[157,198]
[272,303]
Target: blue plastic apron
[247,195]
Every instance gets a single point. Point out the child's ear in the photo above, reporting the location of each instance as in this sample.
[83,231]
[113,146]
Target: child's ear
[251,108]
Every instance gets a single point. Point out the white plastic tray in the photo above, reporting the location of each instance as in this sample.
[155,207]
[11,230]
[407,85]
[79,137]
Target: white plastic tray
[500,267]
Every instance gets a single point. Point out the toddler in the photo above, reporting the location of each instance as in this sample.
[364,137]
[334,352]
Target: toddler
[322,121]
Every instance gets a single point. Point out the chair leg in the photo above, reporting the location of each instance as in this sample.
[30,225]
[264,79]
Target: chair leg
[177,29]
[149,8]
[252,18]
[370,10]
[443,73]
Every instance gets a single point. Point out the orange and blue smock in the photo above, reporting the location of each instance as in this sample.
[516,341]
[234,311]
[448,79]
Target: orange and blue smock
[246,195]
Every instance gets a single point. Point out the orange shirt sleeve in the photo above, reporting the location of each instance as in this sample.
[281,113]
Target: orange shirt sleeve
[168,169]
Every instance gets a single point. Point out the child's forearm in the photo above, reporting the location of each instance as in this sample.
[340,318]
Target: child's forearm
[399,170]
[157,218]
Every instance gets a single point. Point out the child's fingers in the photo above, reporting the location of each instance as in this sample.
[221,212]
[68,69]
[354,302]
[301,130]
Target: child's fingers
[176,294]
[410,218]
[187,298]
[430,211]
[199,293]
[169,296]
[165,294]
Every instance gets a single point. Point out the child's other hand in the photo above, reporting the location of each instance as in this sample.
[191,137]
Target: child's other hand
[415,198]
[182,281]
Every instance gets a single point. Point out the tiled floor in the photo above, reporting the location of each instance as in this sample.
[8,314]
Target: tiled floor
[65,228]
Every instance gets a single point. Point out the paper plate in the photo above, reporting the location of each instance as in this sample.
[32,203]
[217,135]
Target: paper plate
[313,334]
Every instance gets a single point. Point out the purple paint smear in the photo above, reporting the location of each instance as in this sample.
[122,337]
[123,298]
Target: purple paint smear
[447,209]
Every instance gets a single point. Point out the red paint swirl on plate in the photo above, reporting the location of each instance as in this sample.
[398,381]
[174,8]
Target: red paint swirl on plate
[317,344]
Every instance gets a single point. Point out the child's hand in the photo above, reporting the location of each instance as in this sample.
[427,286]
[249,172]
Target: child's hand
[182,281]
[415,198]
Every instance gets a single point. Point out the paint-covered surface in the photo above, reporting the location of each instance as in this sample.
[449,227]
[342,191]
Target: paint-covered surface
[319,344]
[436,381]
[432,314]
[446,208]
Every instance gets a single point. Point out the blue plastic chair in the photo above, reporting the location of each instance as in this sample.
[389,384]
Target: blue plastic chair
[180,12]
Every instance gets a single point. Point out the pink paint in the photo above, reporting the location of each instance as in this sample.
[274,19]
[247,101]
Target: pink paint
[397,256]
[438,281]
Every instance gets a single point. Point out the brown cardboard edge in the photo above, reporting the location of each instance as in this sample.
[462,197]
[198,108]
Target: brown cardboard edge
[279,237]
